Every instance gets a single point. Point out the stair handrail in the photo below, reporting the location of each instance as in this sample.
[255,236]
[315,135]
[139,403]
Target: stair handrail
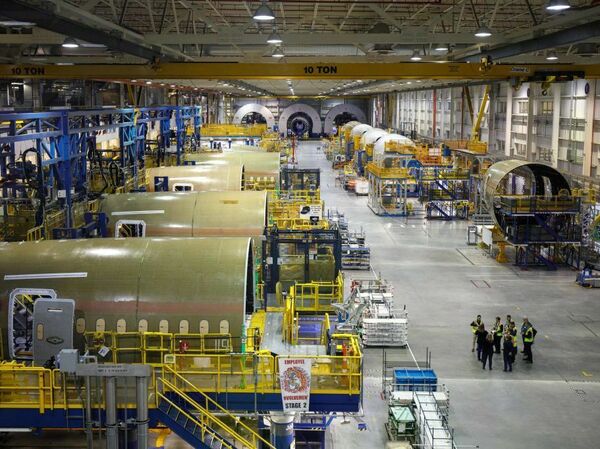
[208,400]
[204,427]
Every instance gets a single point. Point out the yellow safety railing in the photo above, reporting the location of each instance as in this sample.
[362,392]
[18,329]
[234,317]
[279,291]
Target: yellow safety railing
[299,195]
[255,373]
[218,130]
[474,146]
[317,296]
[299,224]
[326,327]
[171,381]
[393,146]
[151,347]
[431,174]
[289,329]
[35,234]
[387,173]
[25,387]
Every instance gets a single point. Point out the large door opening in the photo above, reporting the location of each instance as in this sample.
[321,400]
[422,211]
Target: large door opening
[253,118]
[20,321]
[300,124]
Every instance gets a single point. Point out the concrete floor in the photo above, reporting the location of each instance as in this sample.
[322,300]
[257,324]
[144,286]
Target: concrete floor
[552,404]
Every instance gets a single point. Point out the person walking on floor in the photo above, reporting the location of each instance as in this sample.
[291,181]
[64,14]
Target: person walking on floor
[528,339]
[498,331]
[474,328]
[507,349]
[481,334]
[488,350]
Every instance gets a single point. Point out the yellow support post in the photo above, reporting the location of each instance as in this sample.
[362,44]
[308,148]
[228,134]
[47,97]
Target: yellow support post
[477,122]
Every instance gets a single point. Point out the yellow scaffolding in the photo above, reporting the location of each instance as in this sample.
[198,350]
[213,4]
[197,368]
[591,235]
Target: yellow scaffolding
[317,296]
[224,130]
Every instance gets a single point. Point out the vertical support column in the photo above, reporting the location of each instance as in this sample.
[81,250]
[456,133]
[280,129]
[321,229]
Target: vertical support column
[509,112]
[282,431]
[66,174]
[556,88]
[112,435]
[141,386]
[588,133]
[530,148]
[434,114]
[89,435]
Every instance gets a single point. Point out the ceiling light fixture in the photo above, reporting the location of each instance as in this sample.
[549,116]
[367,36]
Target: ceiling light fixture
[551,56]
[278,52]
[415,56]
[442,47]
[557,5]
[274,38]
[69,42]
[263,13]
[16,23]
[148,82]
[483,31]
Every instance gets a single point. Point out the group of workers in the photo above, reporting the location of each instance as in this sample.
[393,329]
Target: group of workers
[502,338]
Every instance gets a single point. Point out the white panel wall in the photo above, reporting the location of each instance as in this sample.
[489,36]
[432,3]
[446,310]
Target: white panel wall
[559,125]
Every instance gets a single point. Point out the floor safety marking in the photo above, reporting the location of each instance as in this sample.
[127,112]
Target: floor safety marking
[586,374]
[481,284]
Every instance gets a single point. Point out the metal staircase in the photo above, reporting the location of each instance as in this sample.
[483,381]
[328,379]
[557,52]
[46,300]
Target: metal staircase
[189,413]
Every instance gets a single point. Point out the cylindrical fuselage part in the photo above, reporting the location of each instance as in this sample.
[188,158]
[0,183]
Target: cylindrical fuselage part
[359,130]
[371,136]
[198,178]
[189,214]
[149,284]
[256,164]
[514,177]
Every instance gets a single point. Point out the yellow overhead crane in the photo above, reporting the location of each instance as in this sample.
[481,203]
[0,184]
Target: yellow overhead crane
[237,71]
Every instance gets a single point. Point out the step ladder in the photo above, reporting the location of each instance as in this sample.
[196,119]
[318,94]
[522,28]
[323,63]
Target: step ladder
[188,412]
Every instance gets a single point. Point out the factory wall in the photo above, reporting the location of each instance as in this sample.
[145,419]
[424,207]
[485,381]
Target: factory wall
[559,126]
[47,94]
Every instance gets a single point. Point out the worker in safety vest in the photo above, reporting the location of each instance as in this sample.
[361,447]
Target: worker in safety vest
[512,331]
[528,337]
[498,331]
[474,327]
[507,323]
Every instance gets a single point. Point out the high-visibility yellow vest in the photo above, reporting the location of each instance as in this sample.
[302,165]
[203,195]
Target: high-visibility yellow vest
[499,330]
[528,337]
[474,328]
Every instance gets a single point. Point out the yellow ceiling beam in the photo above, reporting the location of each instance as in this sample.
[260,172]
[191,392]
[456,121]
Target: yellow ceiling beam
[323,71]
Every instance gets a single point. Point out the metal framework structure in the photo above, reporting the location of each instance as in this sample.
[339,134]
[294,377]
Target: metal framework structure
[445,192]
[51,189]
[544,231]
[300,255]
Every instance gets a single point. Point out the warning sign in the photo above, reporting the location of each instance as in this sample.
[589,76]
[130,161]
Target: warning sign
[294,378]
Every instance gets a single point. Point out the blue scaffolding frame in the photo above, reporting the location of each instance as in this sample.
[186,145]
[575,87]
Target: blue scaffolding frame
[62,140]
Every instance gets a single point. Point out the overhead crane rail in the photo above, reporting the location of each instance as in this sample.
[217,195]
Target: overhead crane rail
[237,71]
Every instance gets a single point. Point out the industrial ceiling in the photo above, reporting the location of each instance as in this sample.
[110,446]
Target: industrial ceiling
[332,31]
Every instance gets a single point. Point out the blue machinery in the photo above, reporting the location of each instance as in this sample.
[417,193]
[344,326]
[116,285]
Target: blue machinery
[69,168]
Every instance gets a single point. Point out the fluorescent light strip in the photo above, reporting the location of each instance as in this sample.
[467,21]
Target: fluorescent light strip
[19,277]
[138,212]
